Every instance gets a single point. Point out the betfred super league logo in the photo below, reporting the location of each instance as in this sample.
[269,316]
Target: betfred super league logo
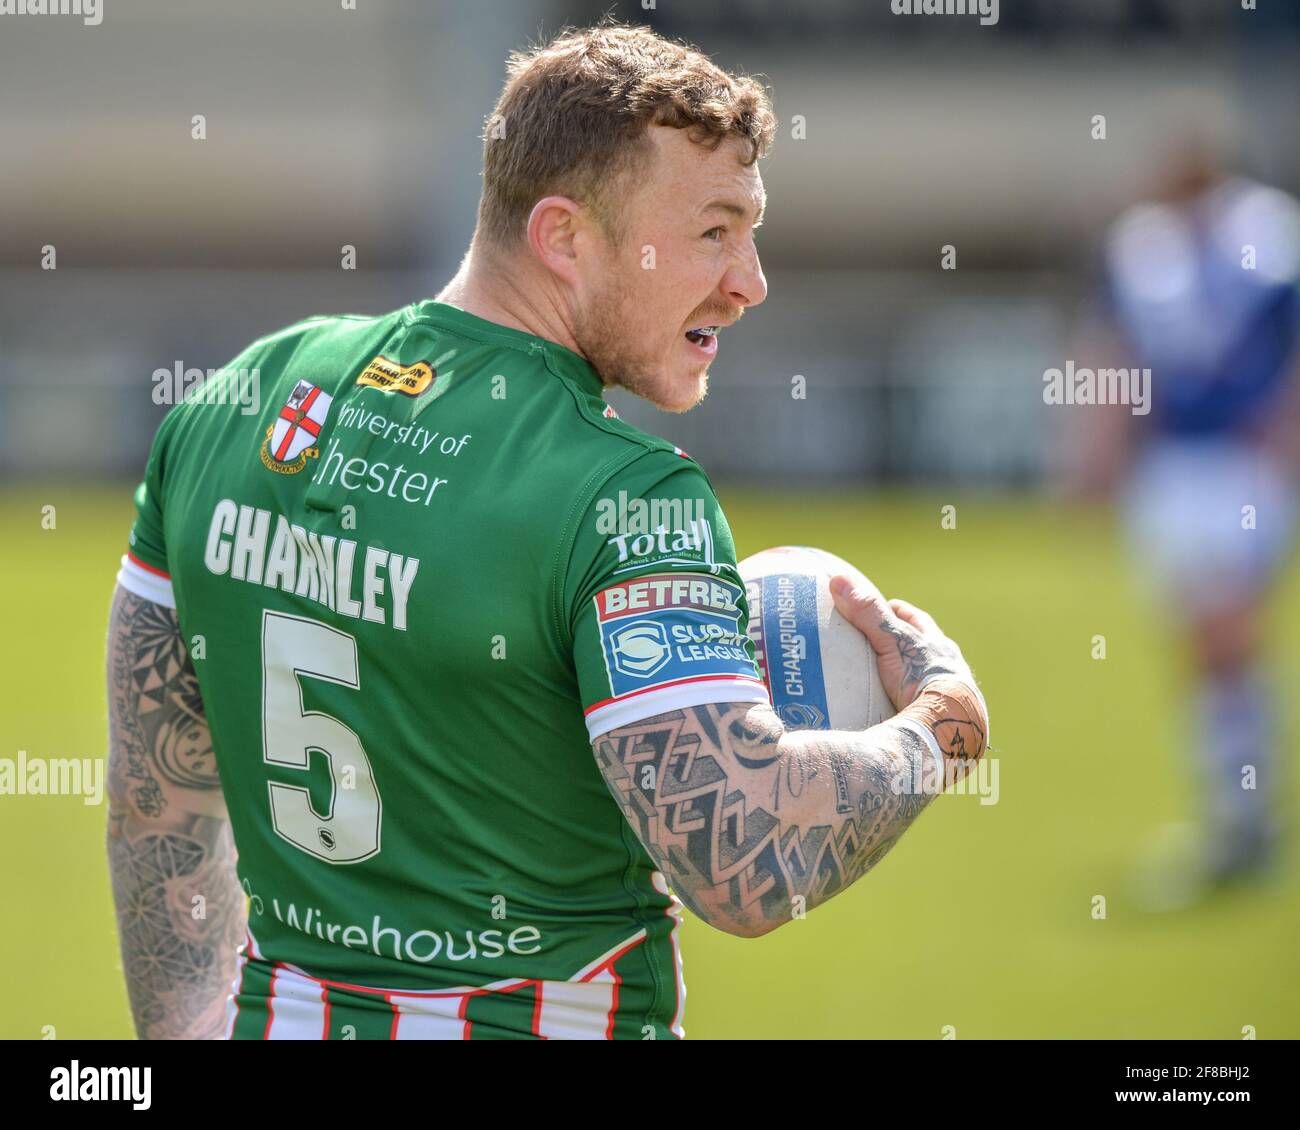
[290,441]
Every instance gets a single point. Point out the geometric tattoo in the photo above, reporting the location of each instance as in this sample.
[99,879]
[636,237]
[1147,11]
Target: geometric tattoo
[180,909]
[734,813]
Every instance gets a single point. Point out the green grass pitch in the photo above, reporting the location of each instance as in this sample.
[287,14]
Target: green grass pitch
[979,923]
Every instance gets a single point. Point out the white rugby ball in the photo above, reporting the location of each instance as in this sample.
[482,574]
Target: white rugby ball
[819,668]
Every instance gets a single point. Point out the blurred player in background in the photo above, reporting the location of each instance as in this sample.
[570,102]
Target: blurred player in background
[1199,286]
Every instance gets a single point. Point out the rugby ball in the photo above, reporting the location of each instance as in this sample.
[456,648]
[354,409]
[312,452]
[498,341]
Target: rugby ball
[819,669]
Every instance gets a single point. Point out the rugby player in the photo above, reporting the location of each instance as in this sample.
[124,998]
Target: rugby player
[1200,286]
[371,637]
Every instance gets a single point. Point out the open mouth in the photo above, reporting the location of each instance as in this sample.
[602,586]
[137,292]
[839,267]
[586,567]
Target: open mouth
[704,340]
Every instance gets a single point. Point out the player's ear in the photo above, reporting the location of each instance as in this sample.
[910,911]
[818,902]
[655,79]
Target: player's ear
[553,229]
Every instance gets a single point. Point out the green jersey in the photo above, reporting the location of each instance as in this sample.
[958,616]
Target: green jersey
[417,574]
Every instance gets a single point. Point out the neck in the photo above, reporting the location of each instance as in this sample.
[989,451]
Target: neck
[508,291]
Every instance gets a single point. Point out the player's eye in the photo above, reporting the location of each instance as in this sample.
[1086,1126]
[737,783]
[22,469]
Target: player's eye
[714,233]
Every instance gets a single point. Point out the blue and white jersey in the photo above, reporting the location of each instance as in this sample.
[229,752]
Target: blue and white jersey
[1218,335]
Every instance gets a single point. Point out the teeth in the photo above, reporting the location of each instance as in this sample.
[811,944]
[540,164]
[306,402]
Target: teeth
[705,331]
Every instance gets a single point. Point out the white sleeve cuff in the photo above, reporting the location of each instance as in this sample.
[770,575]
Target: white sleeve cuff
[923,732]
[146,583]
[636,707]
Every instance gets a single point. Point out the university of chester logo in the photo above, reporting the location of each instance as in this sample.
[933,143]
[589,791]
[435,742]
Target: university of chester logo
[288,443]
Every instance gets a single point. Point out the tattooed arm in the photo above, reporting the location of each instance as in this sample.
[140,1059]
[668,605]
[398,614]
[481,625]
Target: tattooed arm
[180,909]
[752,823]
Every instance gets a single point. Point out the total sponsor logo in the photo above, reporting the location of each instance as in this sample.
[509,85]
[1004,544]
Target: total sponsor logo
[691,543]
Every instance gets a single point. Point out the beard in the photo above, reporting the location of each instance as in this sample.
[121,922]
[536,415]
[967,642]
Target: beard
[603,339]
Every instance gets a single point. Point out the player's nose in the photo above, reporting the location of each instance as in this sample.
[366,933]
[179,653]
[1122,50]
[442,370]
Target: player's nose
[744,283]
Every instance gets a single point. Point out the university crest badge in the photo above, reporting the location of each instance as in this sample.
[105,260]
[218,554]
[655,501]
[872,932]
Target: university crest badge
[290,441]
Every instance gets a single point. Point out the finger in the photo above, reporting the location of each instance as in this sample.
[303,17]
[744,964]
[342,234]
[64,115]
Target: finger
[854,600]
[917,617]
[865,609]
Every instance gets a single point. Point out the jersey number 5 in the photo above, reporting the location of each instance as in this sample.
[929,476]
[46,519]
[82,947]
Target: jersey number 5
[294,647]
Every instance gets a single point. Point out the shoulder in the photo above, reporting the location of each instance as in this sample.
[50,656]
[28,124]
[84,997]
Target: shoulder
[632,470]
[317,348]
[321,334]
[621,447]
